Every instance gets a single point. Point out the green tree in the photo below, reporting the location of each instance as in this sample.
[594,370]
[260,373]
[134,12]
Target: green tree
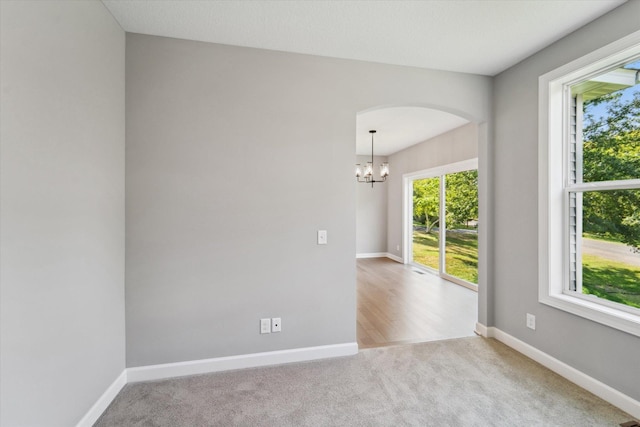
[461,198]
[611,151]
[426,202]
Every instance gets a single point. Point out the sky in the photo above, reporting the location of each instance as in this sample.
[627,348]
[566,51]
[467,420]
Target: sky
[600,111]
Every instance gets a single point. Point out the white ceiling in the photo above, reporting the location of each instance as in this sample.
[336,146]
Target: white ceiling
[400,127]
[472,36]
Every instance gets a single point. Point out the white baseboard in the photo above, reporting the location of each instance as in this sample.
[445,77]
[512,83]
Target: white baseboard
[170,370]
[482,330]
[372,255]
[395,258]
[380,255]
[194,367]
[600,389]
[104,401]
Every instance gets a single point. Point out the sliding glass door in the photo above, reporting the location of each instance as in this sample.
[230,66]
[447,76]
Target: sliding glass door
[426,217]
[444,221]
[461,219]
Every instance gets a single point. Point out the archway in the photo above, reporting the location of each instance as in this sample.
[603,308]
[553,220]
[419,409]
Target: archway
[413,138]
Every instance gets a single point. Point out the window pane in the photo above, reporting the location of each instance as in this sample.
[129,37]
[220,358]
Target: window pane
[610,126]
[611,245]
[426,218]
[461,220]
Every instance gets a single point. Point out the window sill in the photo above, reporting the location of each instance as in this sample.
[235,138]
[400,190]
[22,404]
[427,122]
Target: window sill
[618,319]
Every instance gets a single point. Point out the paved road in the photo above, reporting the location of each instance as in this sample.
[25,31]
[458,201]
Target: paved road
[610,250]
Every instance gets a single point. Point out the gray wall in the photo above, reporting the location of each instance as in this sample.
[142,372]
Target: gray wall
[62,215]
[371,212]
[602,352]
[454,146]
[235,157]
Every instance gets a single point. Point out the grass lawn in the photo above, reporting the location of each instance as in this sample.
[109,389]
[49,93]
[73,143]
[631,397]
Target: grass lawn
[611,280]
[607,279]
[461,258]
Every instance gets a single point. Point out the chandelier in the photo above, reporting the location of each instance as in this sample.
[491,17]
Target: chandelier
[366,176]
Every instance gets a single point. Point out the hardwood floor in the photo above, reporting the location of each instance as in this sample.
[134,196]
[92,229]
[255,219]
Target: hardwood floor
[398,305]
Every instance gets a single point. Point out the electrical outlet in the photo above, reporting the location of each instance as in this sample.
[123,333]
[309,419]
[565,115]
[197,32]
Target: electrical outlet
[531,321]
[398,248]
[276,324]
[322,237]
[265,326]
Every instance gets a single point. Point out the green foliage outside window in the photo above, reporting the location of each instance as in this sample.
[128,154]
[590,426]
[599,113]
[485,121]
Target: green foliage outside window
[461,198]
[426,202]
[611,151]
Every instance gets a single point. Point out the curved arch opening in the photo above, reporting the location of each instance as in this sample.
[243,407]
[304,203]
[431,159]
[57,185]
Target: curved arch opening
[415,140]
[400,127]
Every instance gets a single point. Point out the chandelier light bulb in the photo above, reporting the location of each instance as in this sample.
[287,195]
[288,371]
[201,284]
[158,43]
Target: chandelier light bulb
[384,170]
[368,170]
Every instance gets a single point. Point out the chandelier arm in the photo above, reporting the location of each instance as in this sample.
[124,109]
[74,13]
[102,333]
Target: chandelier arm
[373,180]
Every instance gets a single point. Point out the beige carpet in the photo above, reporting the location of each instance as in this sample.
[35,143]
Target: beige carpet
[461,382]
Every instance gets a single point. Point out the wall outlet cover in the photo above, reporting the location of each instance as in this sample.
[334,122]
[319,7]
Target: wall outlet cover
[276,324]
[531,321]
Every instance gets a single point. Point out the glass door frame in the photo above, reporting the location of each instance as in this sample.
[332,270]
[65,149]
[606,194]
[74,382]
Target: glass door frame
[407,217]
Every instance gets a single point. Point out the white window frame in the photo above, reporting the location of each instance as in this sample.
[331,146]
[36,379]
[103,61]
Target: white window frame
[553,187]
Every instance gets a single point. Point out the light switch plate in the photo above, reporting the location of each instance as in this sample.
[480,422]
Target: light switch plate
[265,326]
[322,237]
